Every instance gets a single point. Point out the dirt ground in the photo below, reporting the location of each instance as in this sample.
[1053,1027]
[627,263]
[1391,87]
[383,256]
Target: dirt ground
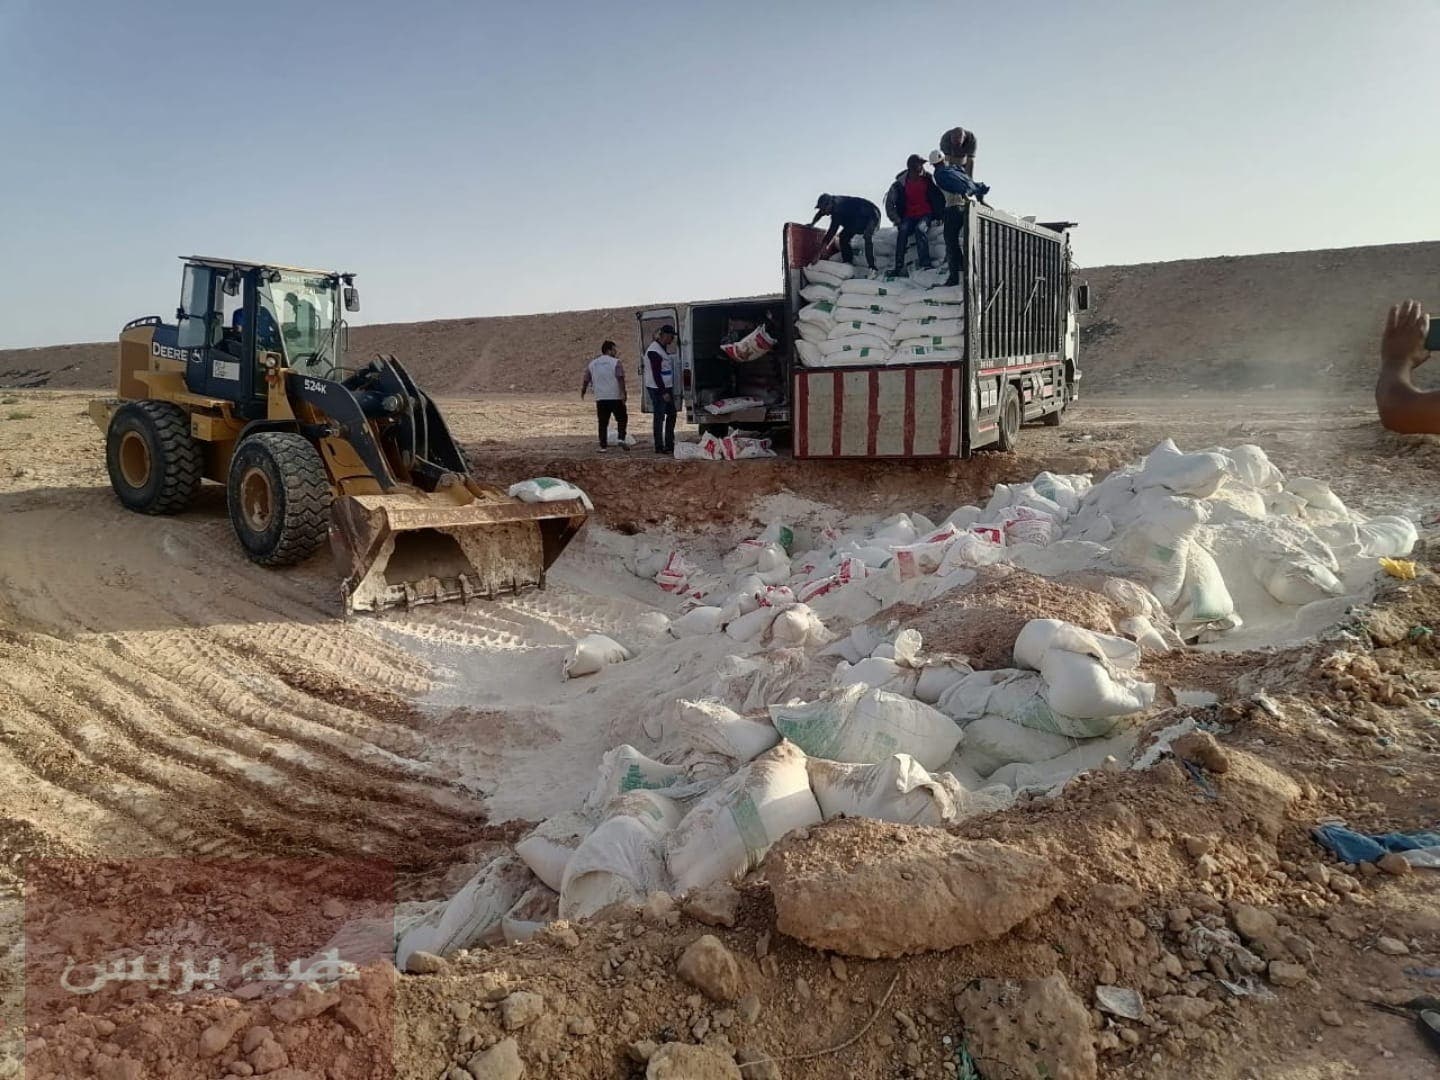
[163,698]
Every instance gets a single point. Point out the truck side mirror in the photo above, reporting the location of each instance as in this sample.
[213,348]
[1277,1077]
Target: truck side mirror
[1082,297]
[352,298]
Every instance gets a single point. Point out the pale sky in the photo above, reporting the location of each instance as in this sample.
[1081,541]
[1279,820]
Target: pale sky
[479,158]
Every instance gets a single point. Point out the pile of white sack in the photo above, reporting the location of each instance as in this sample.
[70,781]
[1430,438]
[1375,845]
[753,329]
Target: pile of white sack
[1185,546]
[734,446]
[851,319]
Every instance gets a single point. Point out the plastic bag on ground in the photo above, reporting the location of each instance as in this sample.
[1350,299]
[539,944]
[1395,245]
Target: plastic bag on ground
[711,725]
[548,489]
[860,724]
[729,831]
[473,915]
[547,848]
[621,862]
[592,653]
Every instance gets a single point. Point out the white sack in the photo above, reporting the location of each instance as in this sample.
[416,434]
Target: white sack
[1317,495]
[698,622]
[937,677]
[473,915]
[627,769]
[819,291]
[865,725]
[1039,636]
[896,789]
[711,725]
[929,326]
[730,829]
[1195,475]
[1388,537]
[621,862]
[877,672]
[548,489]
[993,741]
[546,849]
[1080,688]
[1205,598]
[592,653]
[798,626]
[539,907]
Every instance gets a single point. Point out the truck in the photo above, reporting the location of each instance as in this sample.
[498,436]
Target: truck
[1020,365]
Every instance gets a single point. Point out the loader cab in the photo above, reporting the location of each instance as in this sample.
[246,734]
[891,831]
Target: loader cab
[237,319]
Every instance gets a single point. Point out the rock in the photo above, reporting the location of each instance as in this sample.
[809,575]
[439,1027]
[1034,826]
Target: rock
[1385,627]
[1201,748]
[458,1072]
[712,969]
[1206,867]
[332,909]
[907,1025]
[490,986]
[500,1062]
[1037,1028]
[838,892]
[1120,1001]
[1284,973]
[1254,924]
[1178,919]
[748,1008]
[268,1056]
[421,962]
[1392,862]
[355,1015]
[756,1065]
[1369,870]
[520,1008]
[1116,897]
[1135,928]
[110,1068]
[657,907]
[254,1037]
[714,905]
[680,1061]
[218,1035]
[562,935]
[1130,1037]
[642,1051]
[1392,946]
[1332,1018]
[1198,845]
[1179,1009]
[838,968]
[580,1025]
[306,1003]
[1300,948]
[1318,874]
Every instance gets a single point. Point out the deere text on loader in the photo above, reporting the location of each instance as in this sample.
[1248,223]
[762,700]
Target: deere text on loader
[249,388]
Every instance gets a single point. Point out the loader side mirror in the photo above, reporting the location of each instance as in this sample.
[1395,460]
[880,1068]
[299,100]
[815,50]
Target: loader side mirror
[352,298]
[1082,297]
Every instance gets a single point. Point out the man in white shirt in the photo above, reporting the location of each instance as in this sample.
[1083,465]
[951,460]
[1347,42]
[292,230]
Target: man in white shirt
[659,369]
[606,377]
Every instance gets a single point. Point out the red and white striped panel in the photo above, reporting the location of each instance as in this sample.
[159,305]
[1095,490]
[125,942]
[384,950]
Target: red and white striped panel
[897,412]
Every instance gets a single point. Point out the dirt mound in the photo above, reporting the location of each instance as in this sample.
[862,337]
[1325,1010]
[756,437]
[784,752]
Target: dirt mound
[1303,320]
[982,620]
[1292,319]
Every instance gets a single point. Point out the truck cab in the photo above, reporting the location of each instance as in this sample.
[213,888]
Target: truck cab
[704,374]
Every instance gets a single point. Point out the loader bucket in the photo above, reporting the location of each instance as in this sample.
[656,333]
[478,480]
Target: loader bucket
[413,548]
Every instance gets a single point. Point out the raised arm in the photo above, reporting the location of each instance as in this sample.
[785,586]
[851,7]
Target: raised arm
[1403,407]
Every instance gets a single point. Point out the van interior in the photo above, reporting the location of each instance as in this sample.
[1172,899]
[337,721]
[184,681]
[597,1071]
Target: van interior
[716,375]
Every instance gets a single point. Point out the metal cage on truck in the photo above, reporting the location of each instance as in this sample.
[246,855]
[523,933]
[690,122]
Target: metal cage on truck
[1020,362]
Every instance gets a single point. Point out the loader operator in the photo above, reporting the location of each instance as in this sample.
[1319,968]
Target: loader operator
[853,216]
[659,369]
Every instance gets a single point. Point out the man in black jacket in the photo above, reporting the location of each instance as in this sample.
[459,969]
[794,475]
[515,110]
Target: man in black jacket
[911,203]
[853,216]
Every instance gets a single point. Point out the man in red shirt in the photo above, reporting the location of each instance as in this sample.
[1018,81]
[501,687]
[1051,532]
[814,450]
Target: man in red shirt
[911,203]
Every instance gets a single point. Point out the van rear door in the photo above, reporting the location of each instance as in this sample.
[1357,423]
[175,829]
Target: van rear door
[651,320]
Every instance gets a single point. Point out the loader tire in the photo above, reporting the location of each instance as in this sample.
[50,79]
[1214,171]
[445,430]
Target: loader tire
[279,498]
[155,464]
[1010,418]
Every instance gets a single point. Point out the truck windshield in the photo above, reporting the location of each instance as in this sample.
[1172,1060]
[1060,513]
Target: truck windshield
[307,311]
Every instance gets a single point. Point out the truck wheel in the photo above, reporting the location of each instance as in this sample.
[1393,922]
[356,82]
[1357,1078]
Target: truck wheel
[279,498]
[153,460]
[1009,419]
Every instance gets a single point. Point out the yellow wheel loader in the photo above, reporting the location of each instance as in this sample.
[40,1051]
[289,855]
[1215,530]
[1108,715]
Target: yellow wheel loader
[250,388]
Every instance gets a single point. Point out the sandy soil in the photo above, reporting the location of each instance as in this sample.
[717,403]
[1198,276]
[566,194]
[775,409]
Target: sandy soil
[161,696]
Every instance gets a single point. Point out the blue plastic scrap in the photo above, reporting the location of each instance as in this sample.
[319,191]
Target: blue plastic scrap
[1352,847]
